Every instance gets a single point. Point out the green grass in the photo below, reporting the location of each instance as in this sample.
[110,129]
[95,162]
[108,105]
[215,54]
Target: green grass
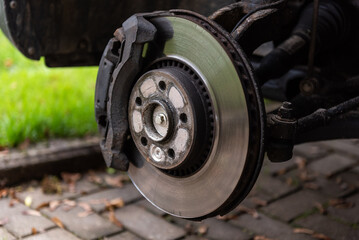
[38,103]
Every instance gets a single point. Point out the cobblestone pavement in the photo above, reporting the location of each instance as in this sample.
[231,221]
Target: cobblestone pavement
[313,196]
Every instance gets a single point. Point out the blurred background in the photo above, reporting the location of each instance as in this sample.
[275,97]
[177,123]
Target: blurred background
[38,103]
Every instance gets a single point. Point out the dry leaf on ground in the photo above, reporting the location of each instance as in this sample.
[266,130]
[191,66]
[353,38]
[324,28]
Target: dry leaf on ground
[249,211]
[262,238]
[259,202]
[42,205]
[312,186]
[303,230]
[33,231]
[320,207]
[202,230]
[300,162]
[31,212]
[93,178]
[113,219]
[87,209]
[340,203]
[70,179]
[321,236]
[117,202]
[54,204]
[58,222]
[116,181]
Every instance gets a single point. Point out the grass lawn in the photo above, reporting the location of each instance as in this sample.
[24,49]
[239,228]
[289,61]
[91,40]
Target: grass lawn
[38,103]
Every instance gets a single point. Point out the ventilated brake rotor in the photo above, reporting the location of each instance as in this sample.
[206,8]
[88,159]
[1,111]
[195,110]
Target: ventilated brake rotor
[196,119]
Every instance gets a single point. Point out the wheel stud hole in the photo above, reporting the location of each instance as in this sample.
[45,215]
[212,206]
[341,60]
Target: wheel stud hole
[171,153]
[183,117]
[162,85]
[144,141]
[138,101]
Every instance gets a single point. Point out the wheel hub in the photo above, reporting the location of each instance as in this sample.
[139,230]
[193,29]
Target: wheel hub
[163,120]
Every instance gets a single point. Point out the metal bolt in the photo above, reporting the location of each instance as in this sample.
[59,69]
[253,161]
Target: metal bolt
[13,4]
[157,154]
[160,119]
[31,50]
[286,111]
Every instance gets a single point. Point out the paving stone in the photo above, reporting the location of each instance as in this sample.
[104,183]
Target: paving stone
[124,236]
[90,227]
[329,227]
[268,227]
[128,194]
[292,206]
[38,197]
[147,205]
[53,234]
[269,188]
[222,231]
[147,225]
[332,188]
[349,215]
[331,164]
[5,235]
[20,224]
[344,146]
[310,150]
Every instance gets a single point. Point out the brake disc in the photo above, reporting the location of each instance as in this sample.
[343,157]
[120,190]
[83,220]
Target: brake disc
[193,110]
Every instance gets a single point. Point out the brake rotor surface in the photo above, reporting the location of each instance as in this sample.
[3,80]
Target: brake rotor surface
[192,167]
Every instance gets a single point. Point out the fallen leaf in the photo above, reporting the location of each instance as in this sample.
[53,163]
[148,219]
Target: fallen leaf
[320,207]
[321,236]
[4,221]
[70,203]
[259,202]
[227,217]
[94,178]
[33,231]
[202,230]
[28,201]
[84,214]
[340,203]
[281,172]
[85,206]
[312,186]
[31,212]
[303,231]
[13,202]
[116,181]
[262,238]
[114,220]
[300,162]
[54,204]
[42,205]
[249,211]
[117,202]
[71,179]
[58,222]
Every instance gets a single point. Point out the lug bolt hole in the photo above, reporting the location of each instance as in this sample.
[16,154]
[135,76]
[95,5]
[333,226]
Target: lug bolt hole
[162,85]
[171,153]
[183,117]
[138,101]
[144,141]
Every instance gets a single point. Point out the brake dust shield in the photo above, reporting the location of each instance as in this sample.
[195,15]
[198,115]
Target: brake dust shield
[188,115]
